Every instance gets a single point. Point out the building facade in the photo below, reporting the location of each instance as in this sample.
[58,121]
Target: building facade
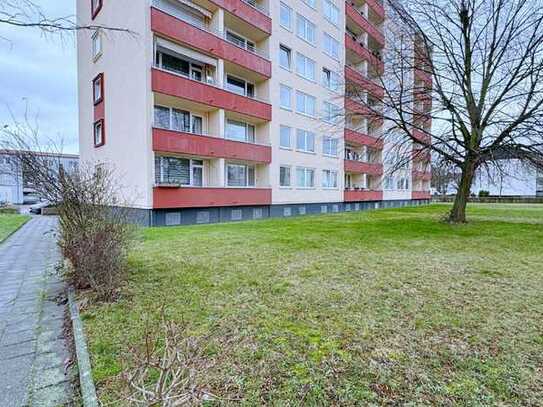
[216,110]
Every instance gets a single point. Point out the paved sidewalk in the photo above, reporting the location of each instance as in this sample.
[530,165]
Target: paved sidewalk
[32,346]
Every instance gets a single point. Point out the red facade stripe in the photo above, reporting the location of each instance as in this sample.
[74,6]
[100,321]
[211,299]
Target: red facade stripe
[164,198]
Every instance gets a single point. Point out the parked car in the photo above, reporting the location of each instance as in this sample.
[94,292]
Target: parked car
[36,208]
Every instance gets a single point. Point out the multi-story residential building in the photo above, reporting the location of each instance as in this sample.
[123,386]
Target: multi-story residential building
[213,110]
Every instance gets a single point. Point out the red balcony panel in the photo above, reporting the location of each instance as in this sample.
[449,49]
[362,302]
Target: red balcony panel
[424,76]
[377,7]
[251,15]
[364,53]
[422,156]
[422,175]
[181,31]
[362,139]
[359,167]
[373,88]
[357,107]
[359,196]
[421,136]
[363,23]
[421,195]
[204,146]
[165,197]
[179,86]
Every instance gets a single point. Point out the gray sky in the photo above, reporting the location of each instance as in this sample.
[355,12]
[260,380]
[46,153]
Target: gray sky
[41,74]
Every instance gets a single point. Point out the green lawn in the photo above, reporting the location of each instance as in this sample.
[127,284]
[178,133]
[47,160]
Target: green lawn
[380,307]
[10,223]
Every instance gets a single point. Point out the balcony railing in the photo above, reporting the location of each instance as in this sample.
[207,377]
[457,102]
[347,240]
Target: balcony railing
[168,141]
[204,197]
[353,195]
[421,195]
[422,175]
[377,7]
[357,77]
[360,167]
[172,84]
[364,23]
[358,138]
[360,49]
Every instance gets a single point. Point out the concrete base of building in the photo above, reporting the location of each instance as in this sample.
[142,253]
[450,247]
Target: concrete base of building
[195,216]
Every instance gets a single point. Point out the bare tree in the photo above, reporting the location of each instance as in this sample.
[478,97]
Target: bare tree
[463,82]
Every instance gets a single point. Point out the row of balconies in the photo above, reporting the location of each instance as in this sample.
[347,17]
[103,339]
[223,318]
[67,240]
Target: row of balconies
[357,21]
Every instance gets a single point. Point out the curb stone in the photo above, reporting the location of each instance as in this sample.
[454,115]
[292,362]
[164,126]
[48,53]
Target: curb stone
[88,391]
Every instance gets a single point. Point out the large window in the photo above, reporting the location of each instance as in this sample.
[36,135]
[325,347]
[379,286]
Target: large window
[285,135]
[330,146]
[284,57]
[331,113]
[177,120]
[179,65]
[240,41]
[331,12]
[179,171]
[331,46]
[285,18]
[329,179]
[240,86]
[240,175]
[305,141]
[306,104]
[286,97]
[284,176]
[240,131]
[305,29]
[305,177]
[305,67]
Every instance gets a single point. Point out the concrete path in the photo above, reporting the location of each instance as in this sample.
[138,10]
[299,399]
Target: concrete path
[32,346]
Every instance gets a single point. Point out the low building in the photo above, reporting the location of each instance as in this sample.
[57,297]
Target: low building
[16,181]
[512,178]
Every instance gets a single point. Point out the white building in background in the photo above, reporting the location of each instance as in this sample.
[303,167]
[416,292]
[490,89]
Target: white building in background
[515,179]
[15,181]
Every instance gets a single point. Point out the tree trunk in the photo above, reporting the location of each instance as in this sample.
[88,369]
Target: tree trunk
[458,211]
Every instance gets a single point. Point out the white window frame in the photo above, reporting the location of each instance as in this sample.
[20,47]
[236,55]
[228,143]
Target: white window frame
[282,7]
[328,6]
[311,3]
[331,112]
[306,97]
[246,125]
[246,83]
[306,25]
[330,79]
[307,147]
[97,51]
[289,57]
[246,41]
[289,168]
[327,146]
[247,167]
[281,87]
[306,67]
[329,179]
[170,124]
[192,166]
[332,41]
[281,145]
[306,172]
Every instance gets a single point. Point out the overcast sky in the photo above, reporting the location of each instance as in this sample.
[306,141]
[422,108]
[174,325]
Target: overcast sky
[41,73]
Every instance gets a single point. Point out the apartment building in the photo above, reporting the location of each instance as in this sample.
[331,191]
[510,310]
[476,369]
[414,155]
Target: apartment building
[221,110]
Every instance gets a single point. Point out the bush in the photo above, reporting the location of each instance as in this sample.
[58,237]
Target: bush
[483,194]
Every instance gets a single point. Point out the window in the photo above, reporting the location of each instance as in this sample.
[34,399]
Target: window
[331,46]
[240,175]
[182,11]
[329,146]
[331,12]
[240,131]
[389,182]
[331,112]
[177,120]
[311,3]
[96,45]
[305,177]
[286,97]
[99,136]
[305,67]
[180,66]
[284,176]
[284,57]
[402,184]
[330,79]
[305,29]
[96,6]
[98,89]
[179,171]
[305,104]
[329,179]
[240,41]
[286,17]
[305,141]
[240,86]
[284,141]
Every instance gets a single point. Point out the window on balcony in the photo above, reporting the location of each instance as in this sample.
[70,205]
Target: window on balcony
[305,29]
[285,17]
[177,120]
[240,175]
[240,41]
[183,11]
[305,177]
[179,65]
[305,141]
[285,57]
[240,86]
[329,179]
[330,146]
[240,131]
[284,176]
[179,171]
[305,67]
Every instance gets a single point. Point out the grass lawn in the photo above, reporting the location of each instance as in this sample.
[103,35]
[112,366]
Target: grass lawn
[10,223]
[383,307]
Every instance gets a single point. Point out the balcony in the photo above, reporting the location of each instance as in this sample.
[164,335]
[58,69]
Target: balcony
[188,197]
[364,24]
[358,78]
[361,139]
[421,195]
[377,7]
[376,119]
[179,86]
[258,17]
[362,195]
[167,141]
[424,156]
[422,175]
[421,136]
[423,76]
[207,41]
[360,167]
[364,53]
